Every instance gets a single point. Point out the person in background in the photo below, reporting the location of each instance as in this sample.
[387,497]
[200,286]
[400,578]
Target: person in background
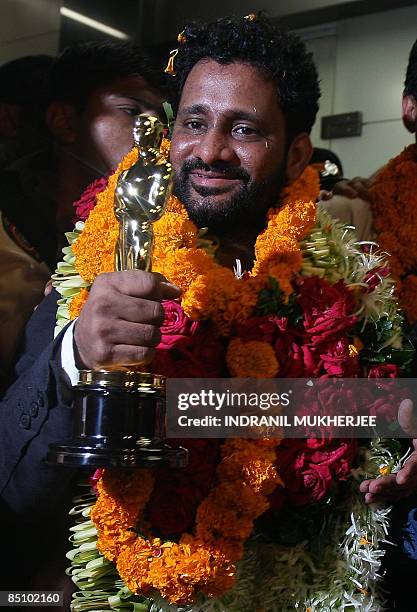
[352,211]
[24,97]
[351,197]
[366,202]
[329,166]
[94,90]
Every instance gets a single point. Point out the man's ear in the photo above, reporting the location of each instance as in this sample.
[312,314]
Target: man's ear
[62,122]
[299,154]
[9,120]
[410,113]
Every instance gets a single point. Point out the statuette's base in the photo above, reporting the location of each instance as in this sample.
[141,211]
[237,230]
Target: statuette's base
[92,456]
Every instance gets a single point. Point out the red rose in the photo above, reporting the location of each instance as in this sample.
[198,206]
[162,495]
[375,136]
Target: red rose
[295,360]
[264,329]
[311,468]
[327,309]
[87,201]
[172,507]
[338,361]
[311,483]
[386,406]
[384,371]
[375,277]
[199,355]
[95,478]
[177,327]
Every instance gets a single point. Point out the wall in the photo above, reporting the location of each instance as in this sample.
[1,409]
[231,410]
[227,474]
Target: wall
[365,72]
[28,27]
[180,13]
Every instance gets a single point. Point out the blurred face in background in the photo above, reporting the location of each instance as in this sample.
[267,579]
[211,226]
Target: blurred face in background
[101,134]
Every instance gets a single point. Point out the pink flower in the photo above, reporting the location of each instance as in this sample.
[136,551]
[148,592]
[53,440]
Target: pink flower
[296,360]
[95,478]
[375,277]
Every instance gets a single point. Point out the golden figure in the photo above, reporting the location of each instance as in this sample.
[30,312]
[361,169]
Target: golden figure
[141,195]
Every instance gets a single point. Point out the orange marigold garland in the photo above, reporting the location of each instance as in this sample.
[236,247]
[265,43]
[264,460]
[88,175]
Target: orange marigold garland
[394,198]
[252,359]
[204,562]
[210,291]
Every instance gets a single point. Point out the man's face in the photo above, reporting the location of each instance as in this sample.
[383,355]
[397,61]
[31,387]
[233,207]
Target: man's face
[228,145]
[106,124]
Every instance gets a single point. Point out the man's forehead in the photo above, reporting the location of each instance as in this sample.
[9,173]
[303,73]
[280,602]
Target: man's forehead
[239,86]
[131,85]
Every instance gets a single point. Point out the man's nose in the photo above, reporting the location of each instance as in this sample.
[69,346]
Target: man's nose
[214,146]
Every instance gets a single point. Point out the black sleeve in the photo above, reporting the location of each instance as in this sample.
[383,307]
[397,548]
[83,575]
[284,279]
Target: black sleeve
[35,411]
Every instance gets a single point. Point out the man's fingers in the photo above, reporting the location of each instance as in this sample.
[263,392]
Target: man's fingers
[364,486]
[407,418]
[137,283]
[386,485]
[170,291]
[325,195]
[127,355]
[408,473]
[134,334]
[134,310]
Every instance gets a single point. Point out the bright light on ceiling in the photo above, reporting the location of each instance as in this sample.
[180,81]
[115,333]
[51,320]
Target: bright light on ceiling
[92,23]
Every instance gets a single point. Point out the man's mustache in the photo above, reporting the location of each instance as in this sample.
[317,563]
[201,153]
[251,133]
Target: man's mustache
[228,171]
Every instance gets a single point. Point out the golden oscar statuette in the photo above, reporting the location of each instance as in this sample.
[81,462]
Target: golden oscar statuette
[119,414]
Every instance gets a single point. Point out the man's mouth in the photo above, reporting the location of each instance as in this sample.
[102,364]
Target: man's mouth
[200,178]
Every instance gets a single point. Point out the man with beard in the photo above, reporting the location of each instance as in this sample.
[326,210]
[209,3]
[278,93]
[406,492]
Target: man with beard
[249,96]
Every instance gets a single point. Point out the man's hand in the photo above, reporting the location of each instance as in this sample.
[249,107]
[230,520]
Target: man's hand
[392,487]
[357,187]
[119,324]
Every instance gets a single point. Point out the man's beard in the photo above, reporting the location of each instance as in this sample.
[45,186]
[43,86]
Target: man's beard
[247,207]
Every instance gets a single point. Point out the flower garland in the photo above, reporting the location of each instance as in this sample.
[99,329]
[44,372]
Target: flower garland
[394,200]
[342,288]
[345,566]
[247,473]
[210,291]
[200,563]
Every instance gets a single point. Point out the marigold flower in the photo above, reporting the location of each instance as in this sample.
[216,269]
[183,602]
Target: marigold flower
[77,303]
[393,199]
[253,359]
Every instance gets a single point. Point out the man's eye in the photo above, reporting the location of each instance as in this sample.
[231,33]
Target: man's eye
[194,125]
[132,111]
[244,131]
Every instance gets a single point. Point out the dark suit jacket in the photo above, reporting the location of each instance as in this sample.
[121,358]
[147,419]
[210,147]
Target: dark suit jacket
[35,497]
[35,411]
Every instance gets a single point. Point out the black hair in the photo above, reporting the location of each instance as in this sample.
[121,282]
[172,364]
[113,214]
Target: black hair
[323,155]
[410,85]
[85,67]
[280,55]
[26,82]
